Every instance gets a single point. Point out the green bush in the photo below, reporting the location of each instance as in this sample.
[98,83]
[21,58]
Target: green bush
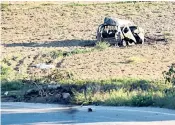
[76,4]
[170,75]
[75,51]
[142,100]
[11,85]
[4,6]
[165,101]
[5,71]
[60,53]
[47,4]
[102,45]
[78,51]
[56,54]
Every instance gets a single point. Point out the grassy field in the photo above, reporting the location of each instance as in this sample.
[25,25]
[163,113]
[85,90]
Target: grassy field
[57,34]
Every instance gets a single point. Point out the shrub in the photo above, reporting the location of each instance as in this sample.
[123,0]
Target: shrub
[47,4]
[56,54]
[170,75]
[78,51]
[5,71]
[76,4]
[102,45]
[142,100]
[166,101]
[11,85]
[4,6]
[60,53]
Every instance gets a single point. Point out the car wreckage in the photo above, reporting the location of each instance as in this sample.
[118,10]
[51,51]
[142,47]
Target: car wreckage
[120,32]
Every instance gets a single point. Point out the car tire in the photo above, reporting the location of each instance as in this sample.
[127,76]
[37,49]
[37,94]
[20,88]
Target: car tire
[124,43]
[131,43]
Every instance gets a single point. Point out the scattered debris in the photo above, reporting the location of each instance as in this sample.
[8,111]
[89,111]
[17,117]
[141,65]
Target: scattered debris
[44,66]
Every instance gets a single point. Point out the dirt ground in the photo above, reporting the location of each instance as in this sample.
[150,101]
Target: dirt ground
[30,29]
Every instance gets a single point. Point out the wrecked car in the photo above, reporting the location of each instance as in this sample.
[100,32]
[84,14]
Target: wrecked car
[120,32]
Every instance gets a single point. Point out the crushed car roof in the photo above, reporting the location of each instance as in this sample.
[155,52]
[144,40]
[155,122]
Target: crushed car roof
[116,21]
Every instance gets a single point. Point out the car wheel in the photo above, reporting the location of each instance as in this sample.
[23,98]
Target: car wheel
[131,43]
[142,41]
[124,43]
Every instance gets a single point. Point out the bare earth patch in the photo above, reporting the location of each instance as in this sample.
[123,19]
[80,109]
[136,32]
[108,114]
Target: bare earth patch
[144,62]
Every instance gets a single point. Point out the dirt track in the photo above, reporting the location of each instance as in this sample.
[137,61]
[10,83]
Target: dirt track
[31,29]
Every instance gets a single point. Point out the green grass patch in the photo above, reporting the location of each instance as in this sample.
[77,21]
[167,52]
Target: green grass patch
[72,4]
[102,45]
[118,92]
[55,54]
[76,51]
[36,7]
[6,71]
[47,4]
[4,6]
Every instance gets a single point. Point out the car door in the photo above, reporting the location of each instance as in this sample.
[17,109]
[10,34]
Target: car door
[128,34]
